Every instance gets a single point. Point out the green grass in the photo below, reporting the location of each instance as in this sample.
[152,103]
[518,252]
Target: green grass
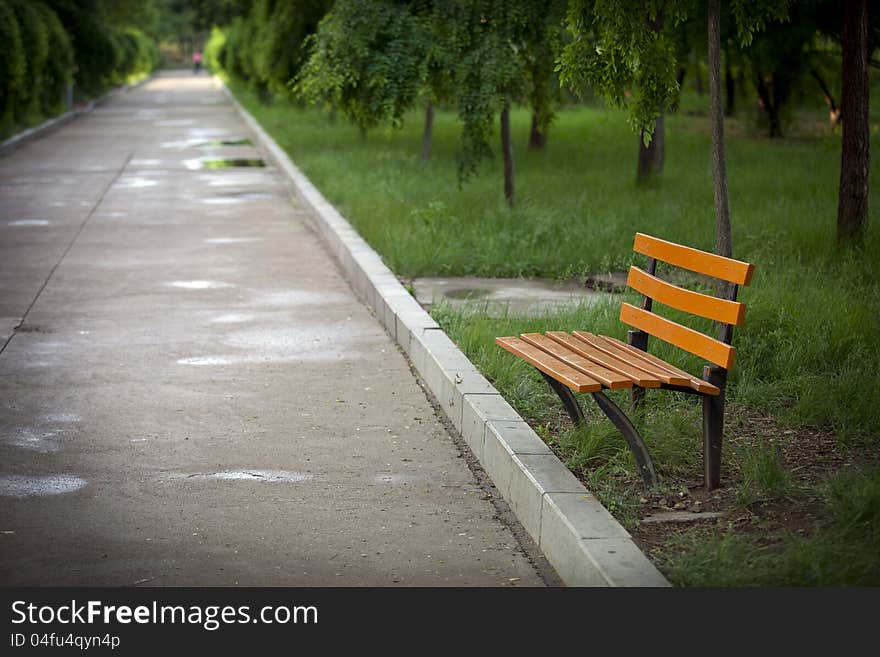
[843,552]
[764,476]
[809,351]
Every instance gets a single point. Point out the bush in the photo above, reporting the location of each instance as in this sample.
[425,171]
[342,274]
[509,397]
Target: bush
[58,71]
[215,50]
[35,41]
[13,66]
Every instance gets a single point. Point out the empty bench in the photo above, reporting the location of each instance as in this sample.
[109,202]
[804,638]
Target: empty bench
[587,363]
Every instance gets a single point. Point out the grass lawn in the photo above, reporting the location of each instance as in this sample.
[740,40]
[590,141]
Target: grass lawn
[803,483]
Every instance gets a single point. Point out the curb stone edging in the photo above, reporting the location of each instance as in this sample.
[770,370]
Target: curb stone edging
[579,537]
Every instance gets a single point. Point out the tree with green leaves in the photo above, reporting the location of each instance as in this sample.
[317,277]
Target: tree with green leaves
[499,49]
[369,60]
[626,52]
[622,49]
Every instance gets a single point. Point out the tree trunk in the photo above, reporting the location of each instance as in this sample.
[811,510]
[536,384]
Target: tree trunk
[651,156]
[769,105]
[537,139]
[429,130]
[507,150]
[852,208]
[723,240]
[698,75]
[729,88]
[833,109]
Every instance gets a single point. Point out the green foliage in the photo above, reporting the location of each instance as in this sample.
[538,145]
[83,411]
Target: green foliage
[621,49]
[279,50]
[13,66]
[628,51]
[265,46]
[49,45]
[35,39]
[58,70]
[498,49]
[369,59]
[215,50]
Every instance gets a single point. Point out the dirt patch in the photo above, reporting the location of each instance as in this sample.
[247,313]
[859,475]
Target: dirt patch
[809,456]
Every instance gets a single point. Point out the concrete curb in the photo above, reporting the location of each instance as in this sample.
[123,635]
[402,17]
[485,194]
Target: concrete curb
[47,126]
[579,537]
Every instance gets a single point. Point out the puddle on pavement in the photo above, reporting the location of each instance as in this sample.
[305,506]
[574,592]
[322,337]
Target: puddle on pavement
[62,418]
[243,141]
[223,163]
[28,222]
[467,293]
[231,240]
[264,476]
[171,123]
[503,296]
[233,162]
[400,479]
[199,285]
[288,298]
[137,182]
[33,440]
[304,343]
[232,318]
[237,178]
[239,197]
[38,486]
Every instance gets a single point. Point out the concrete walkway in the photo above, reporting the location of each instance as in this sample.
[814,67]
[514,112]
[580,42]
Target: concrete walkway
[195,396]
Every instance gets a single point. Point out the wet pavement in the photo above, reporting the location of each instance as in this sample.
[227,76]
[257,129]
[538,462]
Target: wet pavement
[193,395]
[500,297]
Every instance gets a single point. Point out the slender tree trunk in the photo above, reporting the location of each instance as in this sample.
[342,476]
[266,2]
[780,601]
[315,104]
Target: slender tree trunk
[537,139]
[507,150]
[852,208]
[723,240]
[651,157]
[679,77]
[429,131]
[729,88]
[698,75]
[770,105]
[833,109]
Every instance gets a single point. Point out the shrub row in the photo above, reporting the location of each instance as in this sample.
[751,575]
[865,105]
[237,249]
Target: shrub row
[265,47]
[49,45]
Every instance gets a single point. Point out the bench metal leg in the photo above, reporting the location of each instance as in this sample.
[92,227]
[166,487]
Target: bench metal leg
[618,418]
[631,436]
[713,427]
[568,399]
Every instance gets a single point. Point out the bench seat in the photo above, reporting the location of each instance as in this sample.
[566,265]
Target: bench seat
[588,363]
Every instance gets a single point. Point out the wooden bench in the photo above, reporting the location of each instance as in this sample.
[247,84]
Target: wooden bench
[586,363]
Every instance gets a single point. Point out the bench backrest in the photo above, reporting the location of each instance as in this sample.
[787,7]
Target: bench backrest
[728,312]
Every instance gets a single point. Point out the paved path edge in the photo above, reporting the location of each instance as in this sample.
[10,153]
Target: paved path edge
[579,537]
[47,126]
